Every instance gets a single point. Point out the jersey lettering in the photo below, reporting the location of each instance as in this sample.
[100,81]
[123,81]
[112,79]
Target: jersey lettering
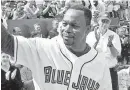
[67,78]
[47,71]
[84,82]
[60,76]
[63,77]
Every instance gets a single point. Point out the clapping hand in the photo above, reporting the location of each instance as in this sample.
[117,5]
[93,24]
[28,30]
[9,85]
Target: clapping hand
[7,75]
[97,36]
[13,74]
[110,39]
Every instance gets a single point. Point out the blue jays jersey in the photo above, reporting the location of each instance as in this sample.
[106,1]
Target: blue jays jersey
[54,67]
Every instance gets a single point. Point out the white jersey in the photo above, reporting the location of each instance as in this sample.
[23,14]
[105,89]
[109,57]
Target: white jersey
[54,67]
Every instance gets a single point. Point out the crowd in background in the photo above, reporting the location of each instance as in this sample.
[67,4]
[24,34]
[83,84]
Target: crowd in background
[32,9]
[16,10]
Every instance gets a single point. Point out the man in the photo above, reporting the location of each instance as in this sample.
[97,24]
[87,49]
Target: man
[124,59]
[98,9]
[17,31]
[108,42]
[19,12]
[8,10]
[26,76]
[31,10]
[10,75]
[65,62]
[37,31]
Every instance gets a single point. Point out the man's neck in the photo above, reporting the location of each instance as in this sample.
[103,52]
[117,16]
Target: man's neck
[80,51]
[103,32]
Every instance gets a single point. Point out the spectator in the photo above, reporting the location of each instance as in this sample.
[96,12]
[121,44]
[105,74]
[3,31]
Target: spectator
[10,75]
[19,12]
[123,5]
[124,44]
[17,31]
[54,31]
[127,11]
[124,78]
[4,22]
[109,9]
[98,9]
[26,76]
[8,9]
[37,31]
[47,11]
[115,11]
[3,8]
[40,13]
[31,10]
[63,6]
[108,42]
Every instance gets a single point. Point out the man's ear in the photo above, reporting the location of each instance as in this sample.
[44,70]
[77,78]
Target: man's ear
[88,29]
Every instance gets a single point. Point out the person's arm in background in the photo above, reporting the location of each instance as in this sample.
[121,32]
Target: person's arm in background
[7,41]
[15,16]
[32,12]
[97,36]
[46,9]
[115,45]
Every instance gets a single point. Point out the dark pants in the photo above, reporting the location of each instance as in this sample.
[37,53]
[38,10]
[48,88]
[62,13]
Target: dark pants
[114,78]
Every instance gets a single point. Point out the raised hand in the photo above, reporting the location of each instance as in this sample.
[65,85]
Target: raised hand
[97,35]
[7,75]
[110,39]
[13,74]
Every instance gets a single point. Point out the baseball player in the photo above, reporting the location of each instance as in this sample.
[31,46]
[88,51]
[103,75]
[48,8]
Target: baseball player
[64,62]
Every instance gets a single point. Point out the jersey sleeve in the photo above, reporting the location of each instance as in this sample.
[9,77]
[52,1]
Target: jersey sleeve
[25,51]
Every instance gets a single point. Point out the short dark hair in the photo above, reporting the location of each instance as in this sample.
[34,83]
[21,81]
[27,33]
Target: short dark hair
[87,12]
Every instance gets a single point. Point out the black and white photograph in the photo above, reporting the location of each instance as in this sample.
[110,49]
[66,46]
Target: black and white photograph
[65,44]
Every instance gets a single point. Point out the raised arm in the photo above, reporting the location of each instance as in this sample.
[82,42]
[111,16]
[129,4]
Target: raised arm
[7,41]
[46,9]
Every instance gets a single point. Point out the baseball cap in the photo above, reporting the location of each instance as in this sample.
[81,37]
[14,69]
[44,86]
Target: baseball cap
[104,18]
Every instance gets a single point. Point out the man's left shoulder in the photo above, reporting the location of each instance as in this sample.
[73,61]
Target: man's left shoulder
[112,32]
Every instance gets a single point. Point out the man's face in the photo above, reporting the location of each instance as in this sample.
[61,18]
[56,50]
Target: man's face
[37,28]
[104,24]
[18,31]
[73,28]
[20,7]
[5,59]
[121,32]
[55,24]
